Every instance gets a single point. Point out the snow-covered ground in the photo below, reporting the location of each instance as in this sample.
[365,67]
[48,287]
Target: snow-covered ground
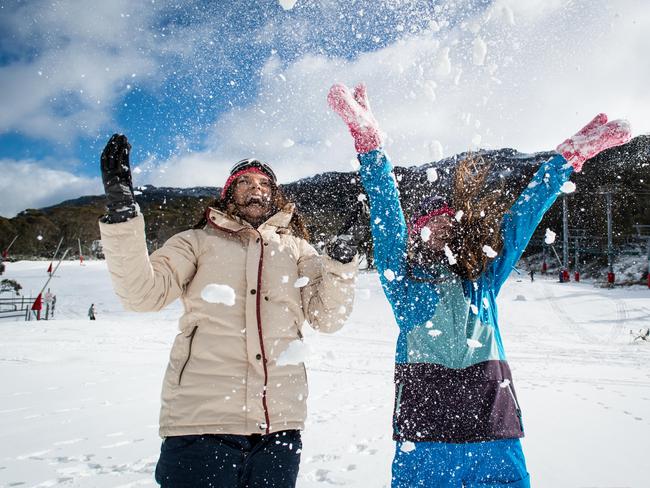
[79,399]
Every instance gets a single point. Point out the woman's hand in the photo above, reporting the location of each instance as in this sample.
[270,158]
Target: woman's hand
[354,109]
[593,138]
[116,176]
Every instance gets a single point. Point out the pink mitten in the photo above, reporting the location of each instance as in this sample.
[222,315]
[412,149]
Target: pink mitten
[593,138]
[355,111]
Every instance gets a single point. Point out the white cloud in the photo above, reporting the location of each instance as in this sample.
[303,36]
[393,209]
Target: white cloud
[546,72]
[548,66]
[86,53]
[31,184]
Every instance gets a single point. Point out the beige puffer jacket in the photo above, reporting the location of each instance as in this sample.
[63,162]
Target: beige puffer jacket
[222,375]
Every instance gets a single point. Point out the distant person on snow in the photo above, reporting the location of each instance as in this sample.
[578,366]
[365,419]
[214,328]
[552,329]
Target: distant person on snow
[91,312]
[532,275]
[456,420]
[232,406]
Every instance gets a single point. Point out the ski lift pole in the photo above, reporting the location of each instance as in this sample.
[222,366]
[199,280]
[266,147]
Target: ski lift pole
[81,256]
[610,247]
[5,252]
[556,255]
[55,253]
[38,298]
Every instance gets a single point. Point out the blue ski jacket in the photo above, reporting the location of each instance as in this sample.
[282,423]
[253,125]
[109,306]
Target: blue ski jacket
[452,380]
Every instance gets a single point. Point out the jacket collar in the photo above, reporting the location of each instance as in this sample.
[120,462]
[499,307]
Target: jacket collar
[279,220]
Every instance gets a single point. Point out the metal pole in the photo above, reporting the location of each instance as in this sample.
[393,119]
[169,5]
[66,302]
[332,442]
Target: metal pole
[610,249]
[648,240]
[576,264]
[565,240]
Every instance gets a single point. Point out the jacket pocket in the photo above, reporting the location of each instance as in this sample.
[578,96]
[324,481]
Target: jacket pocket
[189,353]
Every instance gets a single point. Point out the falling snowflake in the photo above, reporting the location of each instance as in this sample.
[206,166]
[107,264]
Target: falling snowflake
[389,274]
[549,237]
[568,187]
[300,282]
[450,255]
[489,252]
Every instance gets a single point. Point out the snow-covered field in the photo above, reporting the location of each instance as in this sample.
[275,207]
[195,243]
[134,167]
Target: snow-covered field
[79,399]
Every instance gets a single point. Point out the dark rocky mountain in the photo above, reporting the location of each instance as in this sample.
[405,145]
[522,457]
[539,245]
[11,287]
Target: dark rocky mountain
[331,200]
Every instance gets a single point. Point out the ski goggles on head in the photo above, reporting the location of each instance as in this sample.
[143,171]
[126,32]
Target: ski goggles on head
[253,163]
[244,166]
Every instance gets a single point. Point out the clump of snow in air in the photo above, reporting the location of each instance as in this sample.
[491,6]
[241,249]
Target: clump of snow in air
[429,88]
[459,215]
[214,293]
[137,170]
[287,4]
[428,324]
[474,343]
[443,66]
[486,303]
[435,151]
[489,252]
[389,274]
[39,237]
[435,332]
[505,383]
[296,352]
[432,174]
[407,446]
[474,309]
[479,50]
[362,197]
[285,279]
[287,143]
[450,255]
[300,282]
[549,237]
[568,187]
[425,234]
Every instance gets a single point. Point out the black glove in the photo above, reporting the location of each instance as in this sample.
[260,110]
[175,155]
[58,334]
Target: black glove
[342,248]
[116,176]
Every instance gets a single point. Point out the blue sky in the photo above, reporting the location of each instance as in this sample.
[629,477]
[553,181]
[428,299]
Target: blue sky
[197,85]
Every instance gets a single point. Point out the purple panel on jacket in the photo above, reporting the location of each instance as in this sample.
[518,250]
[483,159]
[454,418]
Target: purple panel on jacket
[439,404]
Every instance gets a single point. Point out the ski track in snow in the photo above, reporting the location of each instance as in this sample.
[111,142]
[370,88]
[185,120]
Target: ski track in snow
[80,400]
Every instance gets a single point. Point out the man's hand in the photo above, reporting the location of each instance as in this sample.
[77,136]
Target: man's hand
[593,138]
[354,109]
[116,176]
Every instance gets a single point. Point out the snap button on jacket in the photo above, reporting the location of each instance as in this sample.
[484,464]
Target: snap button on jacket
[223,375]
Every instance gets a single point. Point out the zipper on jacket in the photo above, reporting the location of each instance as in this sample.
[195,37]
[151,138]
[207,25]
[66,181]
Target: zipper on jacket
[189,353]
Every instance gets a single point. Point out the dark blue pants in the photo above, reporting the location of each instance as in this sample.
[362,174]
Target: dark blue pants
[230,461]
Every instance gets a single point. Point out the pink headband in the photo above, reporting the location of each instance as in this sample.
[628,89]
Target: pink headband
[234,176]
[420,222]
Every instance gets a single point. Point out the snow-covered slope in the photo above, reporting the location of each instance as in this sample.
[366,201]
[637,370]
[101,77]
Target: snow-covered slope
[79,399]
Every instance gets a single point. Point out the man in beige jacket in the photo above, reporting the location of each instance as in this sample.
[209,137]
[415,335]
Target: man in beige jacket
[248,279]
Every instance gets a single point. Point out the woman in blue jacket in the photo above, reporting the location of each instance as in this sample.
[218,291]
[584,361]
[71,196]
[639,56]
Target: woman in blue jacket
[457,421]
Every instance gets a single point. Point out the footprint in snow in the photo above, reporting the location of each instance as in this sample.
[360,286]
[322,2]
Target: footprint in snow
[325,476]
